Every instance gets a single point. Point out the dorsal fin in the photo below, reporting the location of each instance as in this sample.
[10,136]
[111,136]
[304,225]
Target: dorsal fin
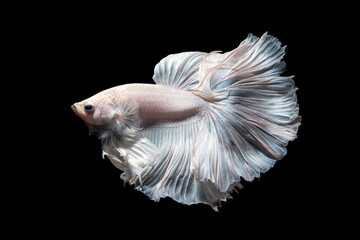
[179,70]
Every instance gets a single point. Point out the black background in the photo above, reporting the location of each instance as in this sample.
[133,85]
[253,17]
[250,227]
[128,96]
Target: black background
[81,50]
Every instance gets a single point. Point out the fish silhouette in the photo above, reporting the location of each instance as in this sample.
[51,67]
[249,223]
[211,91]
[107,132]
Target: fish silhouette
[210,120]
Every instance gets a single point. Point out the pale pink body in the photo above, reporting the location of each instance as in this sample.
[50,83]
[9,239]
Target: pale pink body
[155,104]
[160,104]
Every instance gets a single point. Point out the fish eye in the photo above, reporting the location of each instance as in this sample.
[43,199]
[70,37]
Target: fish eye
[89,108]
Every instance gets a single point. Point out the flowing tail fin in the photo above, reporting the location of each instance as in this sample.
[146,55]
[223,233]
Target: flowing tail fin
[253,112]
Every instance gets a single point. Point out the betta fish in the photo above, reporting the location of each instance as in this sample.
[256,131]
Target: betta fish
[210,120]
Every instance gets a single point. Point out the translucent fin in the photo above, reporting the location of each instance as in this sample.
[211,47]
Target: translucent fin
[170,176]
[130,156]
[179,70]
[124,145]
[253,112]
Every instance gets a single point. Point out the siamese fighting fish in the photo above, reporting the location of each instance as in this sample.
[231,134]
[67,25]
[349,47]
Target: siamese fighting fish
[209,121]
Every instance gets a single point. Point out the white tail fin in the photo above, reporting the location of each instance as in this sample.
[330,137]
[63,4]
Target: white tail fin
[253,112]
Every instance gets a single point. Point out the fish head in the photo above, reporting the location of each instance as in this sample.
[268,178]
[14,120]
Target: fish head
[98,112]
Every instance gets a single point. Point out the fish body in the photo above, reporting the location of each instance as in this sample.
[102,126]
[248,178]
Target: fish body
[210,120]
[153,105]
[159,104]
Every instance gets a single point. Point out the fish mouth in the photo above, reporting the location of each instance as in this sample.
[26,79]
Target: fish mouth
[74,106]
[76,109]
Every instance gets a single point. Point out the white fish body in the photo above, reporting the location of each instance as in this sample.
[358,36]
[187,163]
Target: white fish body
[209,120]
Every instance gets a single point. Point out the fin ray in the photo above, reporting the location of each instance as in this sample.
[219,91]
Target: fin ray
[253,112]
[179,70]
